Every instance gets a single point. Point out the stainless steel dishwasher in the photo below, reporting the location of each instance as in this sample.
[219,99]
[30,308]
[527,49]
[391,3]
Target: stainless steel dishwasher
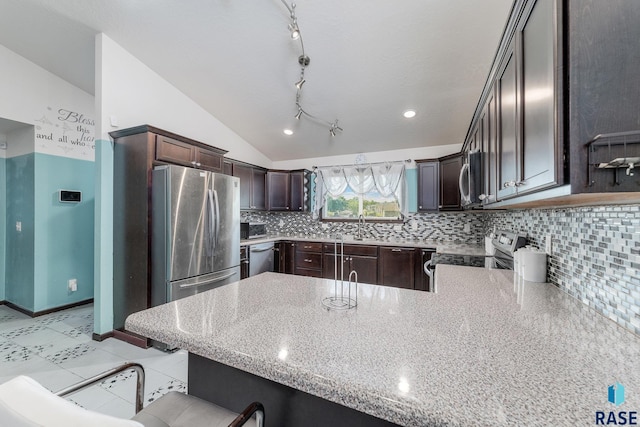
[260,258]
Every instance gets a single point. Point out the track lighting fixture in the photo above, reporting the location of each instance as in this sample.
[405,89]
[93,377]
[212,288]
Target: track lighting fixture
[304,61]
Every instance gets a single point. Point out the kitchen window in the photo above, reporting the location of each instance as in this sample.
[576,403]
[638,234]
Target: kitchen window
[375,191]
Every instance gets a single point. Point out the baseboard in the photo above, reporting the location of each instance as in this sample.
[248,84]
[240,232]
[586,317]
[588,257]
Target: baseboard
[47,311]
[131,338]
[102,337]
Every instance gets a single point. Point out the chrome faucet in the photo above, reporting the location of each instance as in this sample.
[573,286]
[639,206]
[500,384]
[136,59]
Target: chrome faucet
[360,227]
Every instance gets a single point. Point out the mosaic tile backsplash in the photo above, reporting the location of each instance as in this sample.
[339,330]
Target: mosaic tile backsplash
[595,254]
[449,227]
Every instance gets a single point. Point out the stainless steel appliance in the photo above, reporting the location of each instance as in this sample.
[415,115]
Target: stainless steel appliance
[196,232]
[470,180]
[252,230]
[505,243]
[261,258]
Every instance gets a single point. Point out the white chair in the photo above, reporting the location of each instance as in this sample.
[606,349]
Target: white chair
[25,403]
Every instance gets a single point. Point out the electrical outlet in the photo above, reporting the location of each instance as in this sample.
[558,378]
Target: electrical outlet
[72,285]
[467,228]
[414,225]
[397,227]
[547,244]
[18,226]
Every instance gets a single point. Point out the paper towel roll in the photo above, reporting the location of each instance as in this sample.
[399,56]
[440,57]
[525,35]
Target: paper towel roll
[534,265]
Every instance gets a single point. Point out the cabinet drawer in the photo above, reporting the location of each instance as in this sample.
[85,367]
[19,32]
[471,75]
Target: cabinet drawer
[309,247]
[309,260]
[209,160]
[362,250]
[173,151]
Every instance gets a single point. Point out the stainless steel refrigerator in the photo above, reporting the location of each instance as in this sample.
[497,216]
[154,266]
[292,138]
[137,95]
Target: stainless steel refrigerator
[196,232]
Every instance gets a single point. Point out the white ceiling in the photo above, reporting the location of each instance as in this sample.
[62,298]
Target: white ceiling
[370,61]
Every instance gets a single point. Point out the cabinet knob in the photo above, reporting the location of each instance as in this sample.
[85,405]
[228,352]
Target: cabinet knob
[307,260]
[193,163]
[396,250]
[300,208]
[198,164]
[287,207]
[420,207]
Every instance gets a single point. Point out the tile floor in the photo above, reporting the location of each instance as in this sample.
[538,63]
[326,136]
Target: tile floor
[57,351]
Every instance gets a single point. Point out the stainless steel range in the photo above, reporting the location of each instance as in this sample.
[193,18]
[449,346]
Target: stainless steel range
[504,245]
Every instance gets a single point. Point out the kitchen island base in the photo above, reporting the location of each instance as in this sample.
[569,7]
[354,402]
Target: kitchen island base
[284,406]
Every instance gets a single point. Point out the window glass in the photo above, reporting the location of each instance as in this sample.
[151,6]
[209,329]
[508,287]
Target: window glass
[371,205]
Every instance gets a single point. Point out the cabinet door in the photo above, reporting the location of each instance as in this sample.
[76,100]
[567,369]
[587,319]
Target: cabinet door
[227,168]
[449,183]
[328,266]
[298,192]
[490,154]
[539,143]
[173,151]
[508,128]
[396,267]
[278,191]
[258,184]
[428,186]
[245,173]
[209,160]
[366,267]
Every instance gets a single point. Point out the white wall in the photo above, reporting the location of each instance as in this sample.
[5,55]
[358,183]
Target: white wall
[136,95]
[380,156]
[20,141]
[63,115]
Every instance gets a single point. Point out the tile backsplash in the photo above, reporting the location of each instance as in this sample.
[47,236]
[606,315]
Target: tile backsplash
[595,254]
[441,226]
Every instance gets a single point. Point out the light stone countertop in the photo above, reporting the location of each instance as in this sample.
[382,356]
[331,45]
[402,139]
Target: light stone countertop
[482,351]
[438,245]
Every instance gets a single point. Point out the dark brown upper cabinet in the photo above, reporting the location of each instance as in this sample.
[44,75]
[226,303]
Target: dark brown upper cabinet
[171,150]
[288,191]
[252,186]
[428,185]
[449,182]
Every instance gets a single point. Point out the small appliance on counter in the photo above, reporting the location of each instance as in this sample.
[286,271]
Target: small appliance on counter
[531,264]
[252,230]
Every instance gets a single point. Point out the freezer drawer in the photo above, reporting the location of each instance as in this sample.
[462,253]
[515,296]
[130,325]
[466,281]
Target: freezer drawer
[195,285]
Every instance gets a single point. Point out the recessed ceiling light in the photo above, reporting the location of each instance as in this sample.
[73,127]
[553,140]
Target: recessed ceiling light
[288,132]
[409,114]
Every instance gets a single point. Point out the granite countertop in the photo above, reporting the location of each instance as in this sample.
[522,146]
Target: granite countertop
[481,351]
[437,245]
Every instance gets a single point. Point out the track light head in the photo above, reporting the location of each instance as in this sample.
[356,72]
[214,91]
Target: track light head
[295,31]
[299,113]
[300,82]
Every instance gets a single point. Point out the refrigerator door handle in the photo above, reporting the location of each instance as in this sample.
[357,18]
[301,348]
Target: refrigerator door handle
[216,220]
[216,280]
[211,218]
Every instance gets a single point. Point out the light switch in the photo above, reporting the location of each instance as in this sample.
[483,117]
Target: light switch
[547,245]
[114,121]
[18,226]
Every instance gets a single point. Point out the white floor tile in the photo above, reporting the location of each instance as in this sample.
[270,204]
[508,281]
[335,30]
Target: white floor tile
[57,351]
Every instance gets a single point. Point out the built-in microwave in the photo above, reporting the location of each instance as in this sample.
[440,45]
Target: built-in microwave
[252,230]
[471,179]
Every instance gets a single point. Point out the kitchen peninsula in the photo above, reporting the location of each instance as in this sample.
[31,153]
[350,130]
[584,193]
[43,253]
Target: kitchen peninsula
[481,351]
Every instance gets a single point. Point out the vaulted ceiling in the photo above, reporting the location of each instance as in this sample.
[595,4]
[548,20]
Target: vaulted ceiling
[369,62]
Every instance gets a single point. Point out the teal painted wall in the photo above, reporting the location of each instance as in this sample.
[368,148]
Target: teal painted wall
[3,224]
[63,247]
[56,241]
[103,241]
[19,261]
[412,188]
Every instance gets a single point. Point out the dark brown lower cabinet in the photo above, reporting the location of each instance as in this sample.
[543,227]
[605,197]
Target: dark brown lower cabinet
[396,267]
[308,259]
[366,268]
[244,262]
[284,261]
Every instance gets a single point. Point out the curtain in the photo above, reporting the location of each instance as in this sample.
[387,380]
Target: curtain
[387,178]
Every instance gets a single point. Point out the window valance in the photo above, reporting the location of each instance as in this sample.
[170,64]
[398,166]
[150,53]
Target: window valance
[387,178]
